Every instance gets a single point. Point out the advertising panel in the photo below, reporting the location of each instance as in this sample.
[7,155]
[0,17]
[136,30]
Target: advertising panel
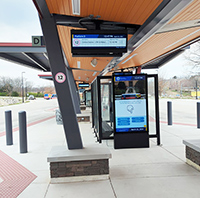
[130,103]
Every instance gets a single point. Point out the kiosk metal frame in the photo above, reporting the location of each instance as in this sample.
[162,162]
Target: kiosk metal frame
[96,108]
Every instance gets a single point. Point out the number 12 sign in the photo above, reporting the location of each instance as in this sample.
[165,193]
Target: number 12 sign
[60,77]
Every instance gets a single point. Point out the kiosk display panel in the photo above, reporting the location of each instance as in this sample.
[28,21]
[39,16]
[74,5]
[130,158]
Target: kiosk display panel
[130,103]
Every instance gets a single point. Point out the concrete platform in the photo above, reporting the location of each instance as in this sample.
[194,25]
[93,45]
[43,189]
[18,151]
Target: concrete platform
[158,171]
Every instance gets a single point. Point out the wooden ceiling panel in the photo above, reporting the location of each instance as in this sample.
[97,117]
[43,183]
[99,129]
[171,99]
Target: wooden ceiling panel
[191,12]
[84,76]
[128,11]
[60,6]
[160,44]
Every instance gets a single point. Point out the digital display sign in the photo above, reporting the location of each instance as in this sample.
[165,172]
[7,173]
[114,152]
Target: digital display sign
[98,42]
[83,85]
[130,103]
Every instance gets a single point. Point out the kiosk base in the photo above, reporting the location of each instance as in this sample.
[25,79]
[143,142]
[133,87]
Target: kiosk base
[131,140]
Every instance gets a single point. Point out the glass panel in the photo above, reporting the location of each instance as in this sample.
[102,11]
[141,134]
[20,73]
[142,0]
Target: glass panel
[105,103]
[106,108]
[88,99]
[152,108]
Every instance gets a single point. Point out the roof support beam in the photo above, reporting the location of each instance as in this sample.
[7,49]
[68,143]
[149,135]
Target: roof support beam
[13,59]
[180,48]
[90,23]
[165,12]
[156,63]
[74,91]
[16,49]
[35,60]
[57,64]
[90,70]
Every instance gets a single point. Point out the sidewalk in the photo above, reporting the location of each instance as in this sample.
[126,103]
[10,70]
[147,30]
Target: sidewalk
[158,171]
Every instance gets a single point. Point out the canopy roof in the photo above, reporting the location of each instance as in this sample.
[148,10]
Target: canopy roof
[25,54]
[158,30]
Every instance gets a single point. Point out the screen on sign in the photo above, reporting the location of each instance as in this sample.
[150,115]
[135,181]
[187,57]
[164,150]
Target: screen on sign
[83,85]
[87,42]
[130,103]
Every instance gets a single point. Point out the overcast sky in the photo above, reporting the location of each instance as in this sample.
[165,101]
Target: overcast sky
[19,22]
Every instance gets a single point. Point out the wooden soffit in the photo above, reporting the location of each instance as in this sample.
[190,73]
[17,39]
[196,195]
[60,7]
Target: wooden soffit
[131,12]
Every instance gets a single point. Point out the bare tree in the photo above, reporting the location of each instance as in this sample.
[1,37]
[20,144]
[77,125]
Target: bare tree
[163,84]
[192,56]
[50,90]
[9,85]
[6,85]
[17,84]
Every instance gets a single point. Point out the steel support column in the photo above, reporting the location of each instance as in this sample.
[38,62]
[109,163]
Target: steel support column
[60,76]
[138,70]
[73,89]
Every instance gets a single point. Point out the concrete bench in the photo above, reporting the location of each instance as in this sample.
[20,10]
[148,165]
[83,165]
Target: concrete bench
[87,164]
[83,107]
[193,153]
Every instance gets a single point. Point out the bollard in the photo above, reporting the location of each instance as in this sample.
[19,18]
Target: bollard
[8,122]
[169,112]
[22,132]
[198,114]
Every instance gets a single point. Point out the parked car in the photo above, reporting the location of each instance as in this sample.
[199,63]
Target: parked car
[31,97]
[50,96]
[47,96]
[53,96]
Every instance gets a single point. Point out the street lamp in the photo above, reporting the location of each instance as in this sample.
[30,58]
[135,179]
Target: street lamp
[22,89]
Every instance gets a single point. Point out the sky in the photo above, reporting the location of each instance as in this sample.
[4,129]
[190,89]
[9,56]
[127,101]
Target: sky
[19,21]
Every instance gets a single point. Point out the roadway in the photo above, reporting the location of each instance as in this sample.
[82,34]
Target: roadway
[36,110]
[184,111]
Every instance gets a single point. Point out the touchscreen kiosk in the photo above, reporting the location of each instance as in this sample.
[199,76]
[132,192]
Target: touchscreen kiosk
[130,110]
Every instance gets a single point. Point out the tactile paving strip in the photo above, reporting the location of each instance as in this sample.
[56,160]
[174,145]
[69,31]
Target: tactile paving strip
[15,177]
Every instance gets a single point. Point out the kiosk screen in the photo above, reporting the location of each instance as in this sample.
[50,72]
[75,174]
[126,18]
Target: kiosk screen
[130,103]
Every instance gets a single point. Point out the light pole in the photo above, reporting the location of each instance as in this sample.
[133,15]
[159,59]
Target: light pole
[22,88]
[196,91]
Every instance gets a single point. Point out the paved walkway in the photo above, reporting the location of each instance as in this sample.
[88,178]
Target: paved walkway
[158,171]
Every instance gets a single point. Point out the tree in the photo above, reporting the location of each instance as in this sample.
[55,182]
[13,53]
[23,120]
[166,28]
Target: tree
[192,56]
[163,84]
[9,85]
[6,85]
[17,82]
[50,90]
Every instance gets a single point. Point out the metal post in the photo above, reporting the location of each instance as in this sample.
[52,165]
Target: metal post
[22,132]
[196,91]
[8,121]
[198,114]
[157,108]
[169,112]
[22,88]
